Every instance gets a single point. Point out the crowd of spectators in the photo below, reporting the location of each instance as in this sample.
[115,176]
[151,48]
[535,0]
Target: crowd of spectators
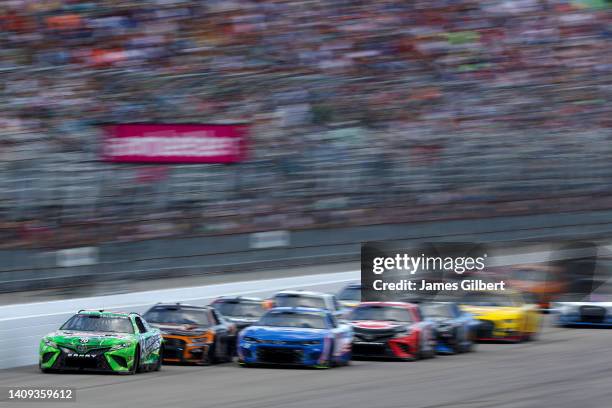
[360,111]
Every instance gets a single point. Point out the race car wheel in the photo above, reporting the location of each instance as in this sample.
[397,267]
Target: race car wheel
[329,362]
[347,362]
[533,336]
[226,356]
[158,363]
[431,353]
[136,365]
[432,348]
[419,354]
[212,354]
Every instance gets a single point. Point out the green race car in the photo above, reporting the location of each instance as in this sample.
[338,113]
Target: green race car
[102,341]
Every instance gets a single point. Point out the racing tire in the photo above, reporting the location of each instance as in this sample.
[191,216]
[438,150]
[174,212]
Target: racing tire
[465,345]
[348,360]
[345,360]
[419,354]
[229,355]
[330,359]
[431,353]
[212,354]
[226,358]
[136,366]
[533,336]
[158,363]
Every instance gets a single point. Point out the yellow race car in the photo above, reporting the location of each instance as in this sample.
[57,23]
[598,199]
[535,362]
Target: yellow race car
[503,315]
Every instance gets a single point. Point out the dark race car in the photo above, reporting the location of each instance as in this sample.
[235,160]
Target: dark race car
[391,330]
[350,295]
[455,329]
[242,311]
[193,334]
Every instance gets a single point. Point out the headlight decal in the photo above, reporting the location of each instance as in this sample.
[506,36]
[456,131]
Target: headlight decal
[120,346]
[50,343]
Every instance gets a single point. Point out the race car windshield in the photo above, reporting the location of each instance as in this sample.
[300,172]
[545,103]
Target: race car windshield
[436,310]
[487,299]
[97,323]
[288,319]
[300,301]
[236,309]
[177,316]
[385,313]
[351,293]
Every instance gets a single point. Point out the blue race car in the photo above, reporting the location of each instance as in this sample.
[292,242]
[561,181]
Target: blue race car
[296,336]
[583,314]
[588,305]
[455,330]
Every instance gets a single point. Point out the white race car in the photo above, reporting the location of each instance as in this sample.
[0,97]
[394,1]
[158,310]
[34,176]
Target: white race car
[591,309]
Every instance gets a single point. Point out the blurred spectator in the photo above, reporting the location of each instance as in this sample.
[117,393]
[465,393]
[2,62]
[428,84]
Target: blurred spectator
[379,111]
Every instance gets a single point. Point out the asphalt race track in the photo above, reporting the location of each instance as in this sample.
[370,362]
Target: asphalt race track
[565,368]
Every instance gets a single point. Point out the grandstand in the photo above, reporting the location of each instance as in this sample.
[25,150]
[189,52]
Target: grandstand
[376,112]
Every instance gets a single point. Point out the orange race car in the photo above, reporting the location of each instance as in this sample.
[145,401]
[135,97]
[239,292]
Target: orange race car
[193,334]
[541,283]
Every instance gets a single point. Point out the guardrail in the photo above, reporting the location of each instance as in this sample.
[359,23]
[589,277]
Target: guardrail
[36,269]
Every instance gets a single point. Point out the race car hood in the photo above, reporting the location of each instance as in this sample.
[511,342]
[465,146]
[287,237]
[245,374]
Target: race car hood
[180,329]
[492,312]
[284,333]
[376,324]
[89,339]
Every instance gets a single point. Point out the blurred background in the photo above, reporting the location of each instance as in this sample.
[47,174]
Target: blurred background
[409,115]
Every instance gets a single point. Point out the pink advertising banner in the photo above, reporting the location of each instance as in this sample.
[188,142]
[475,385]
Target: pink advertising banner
[175,143]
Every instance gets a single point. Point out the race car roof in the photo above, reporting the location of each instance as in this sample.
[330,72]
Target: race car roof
[304,293]
[298,310]
[106,313]
[237,299]
[390,304]
[180,306]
